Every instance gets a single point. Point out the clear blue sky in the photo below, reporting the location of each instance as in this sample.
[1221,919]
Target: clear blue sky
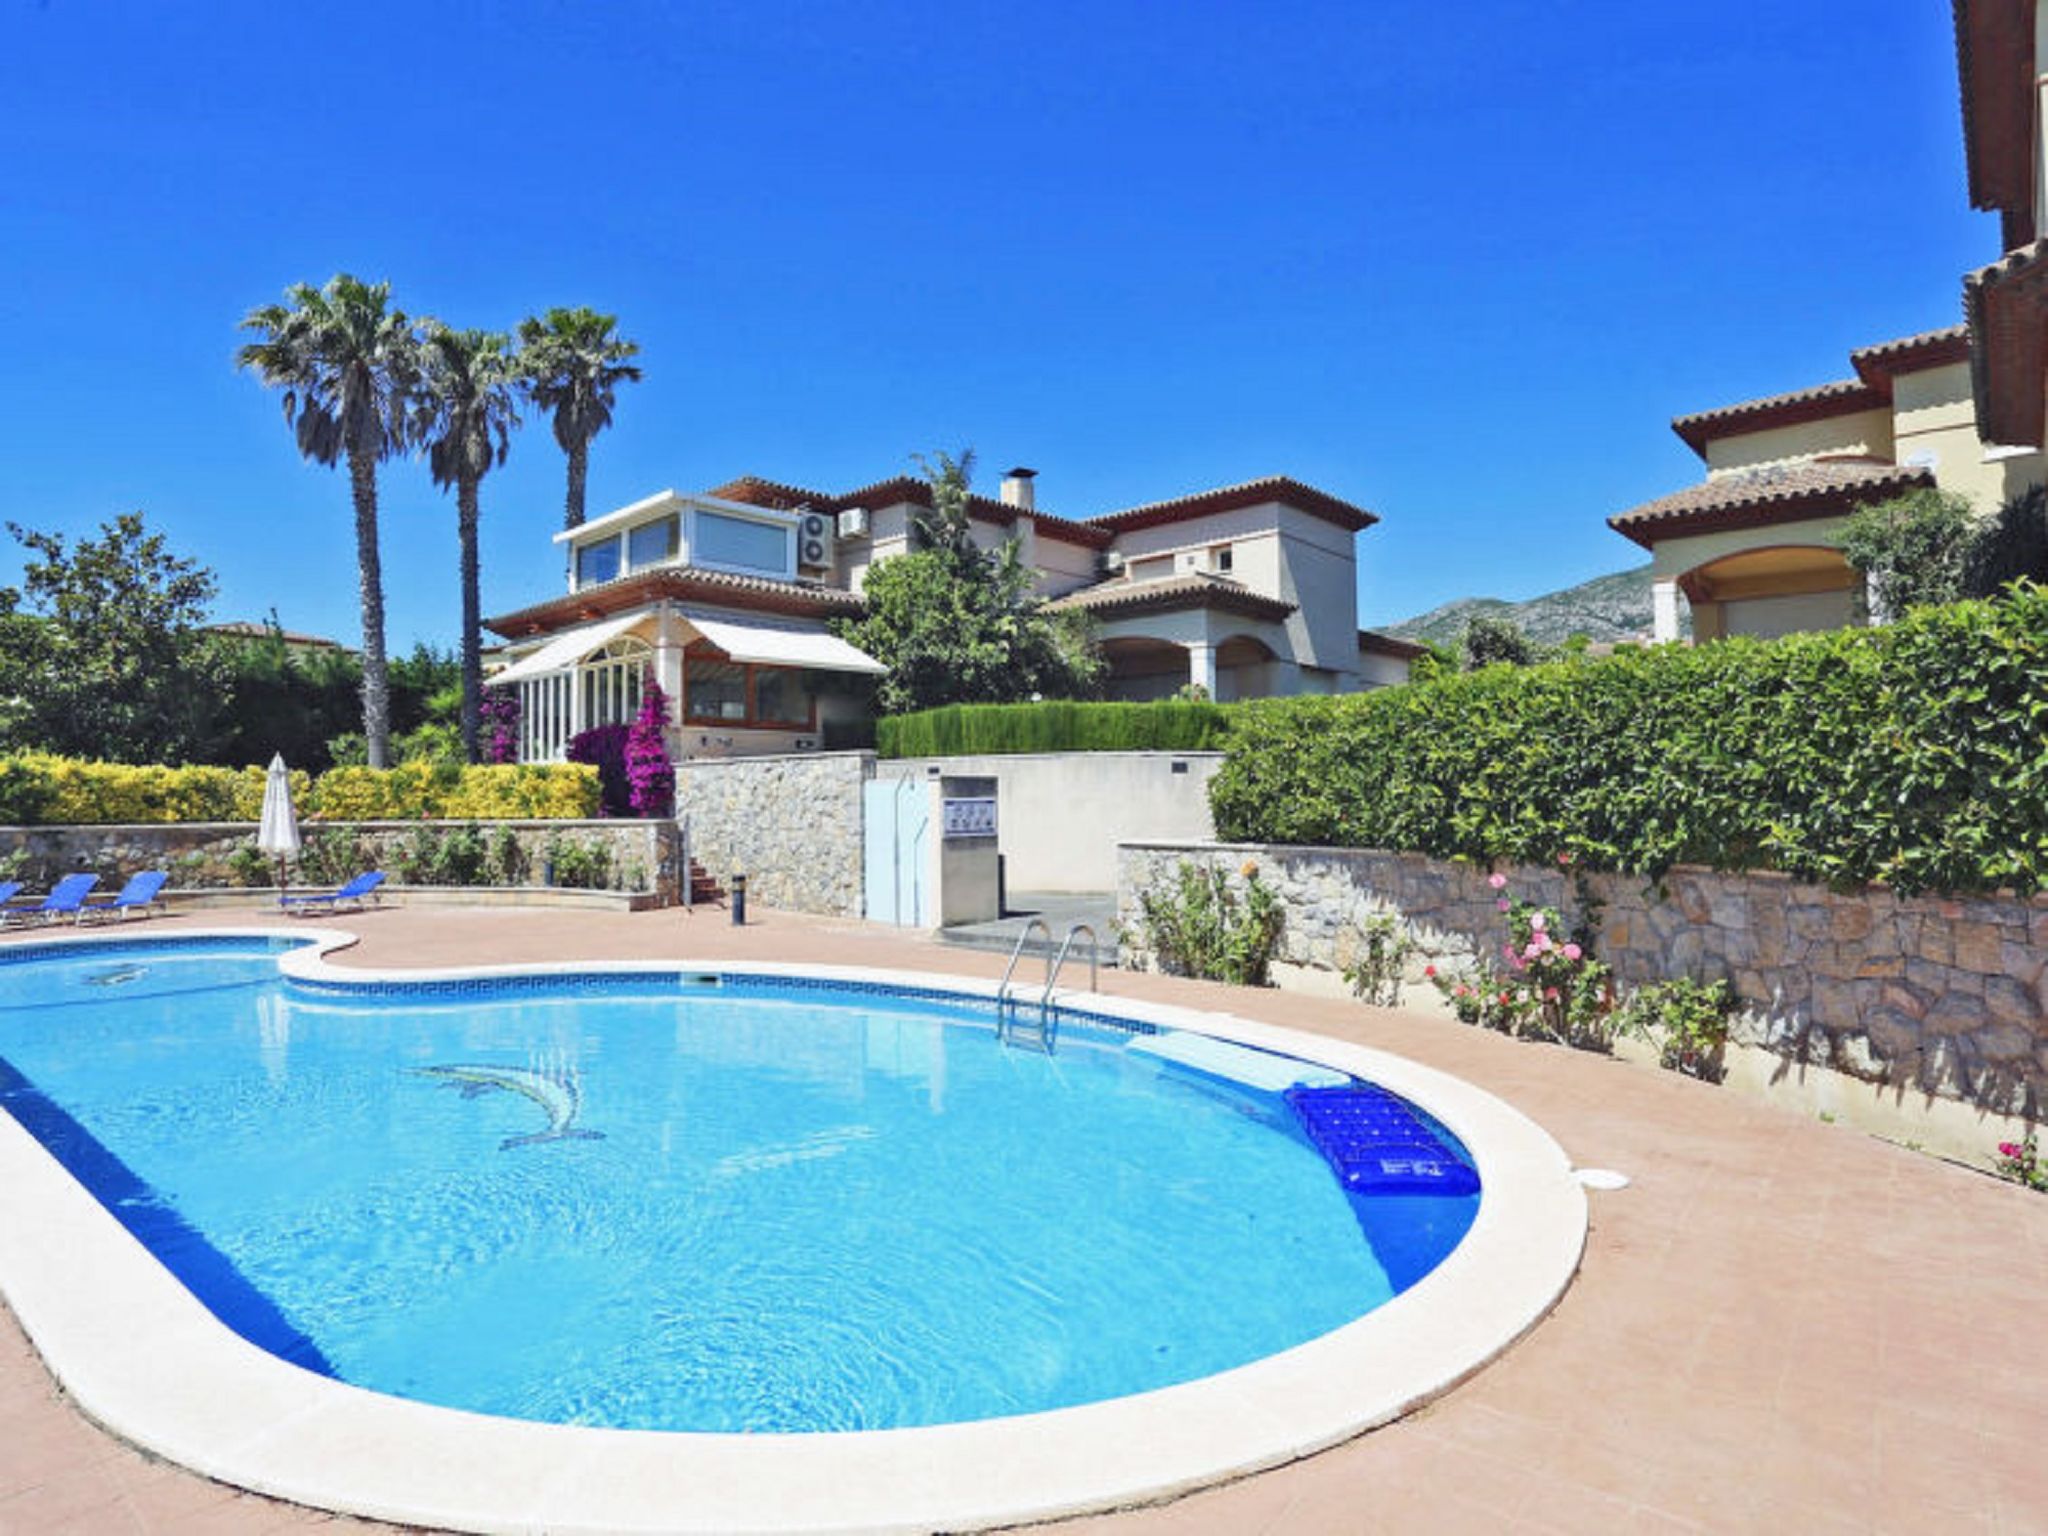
[1457,263]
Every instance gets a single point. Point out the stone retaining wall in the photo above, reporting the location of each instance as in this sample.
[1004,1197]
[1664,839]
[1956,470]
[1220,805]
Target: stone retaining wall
[791,825]
[1943,997]
[215,855]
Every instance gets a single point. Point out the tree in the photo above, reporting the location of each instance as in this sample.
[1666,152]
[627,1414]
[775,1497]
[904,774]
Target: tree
[1913,549]
[957,626]
[275,699]
[573,364]
[348,364]
[101,649]
[947,524]
[2011,545]
[465,416]
[1489,640]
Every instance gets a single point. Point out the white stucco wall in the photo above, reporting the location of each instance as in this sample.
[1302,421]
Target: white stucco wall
[1063,567]
[1319,573]
[1378,671]
[1060,815]
[1769,617]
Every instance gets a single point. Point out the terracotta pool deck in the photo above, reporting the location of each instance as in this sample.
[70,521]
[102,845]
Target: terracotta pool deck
[1781,1325]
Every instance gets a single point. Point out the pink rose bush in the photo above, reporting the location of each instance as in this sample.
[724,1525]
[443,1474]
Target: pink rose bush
[2021,1162]
[1542,986]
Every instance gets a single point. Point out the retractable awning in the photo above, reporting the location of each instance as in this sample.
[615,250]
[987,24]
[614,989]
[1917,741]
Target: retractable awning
[566,649]
[774,646]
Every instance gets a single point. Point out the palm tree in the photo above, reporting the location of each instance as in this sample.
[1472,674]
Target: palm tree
[347,363]
[573,364]
[466,413]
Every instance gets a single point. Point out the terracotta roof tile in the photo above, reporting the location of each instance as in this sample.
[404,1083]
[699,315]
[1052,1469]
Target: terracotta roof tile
[1169,594]
[753,491]
[918,492]
[1381,643]
[1840,397]
[1774,493]
[2008,307]
[1995,71]
[1228,498]
[1877,365]
[682,582]
[756,492]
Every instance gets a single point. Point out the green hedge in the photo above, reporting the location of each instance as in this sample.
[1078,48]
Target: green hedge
[1915,754]
[1171,725]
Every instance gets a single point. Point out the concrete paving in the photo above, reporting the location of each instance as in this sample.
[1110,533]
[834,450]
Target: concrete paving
[1781,1325]
[1058,910]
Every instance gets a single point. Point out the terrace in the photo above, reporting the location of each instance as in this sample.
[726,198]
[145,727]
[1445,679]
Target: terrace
[1780,1324]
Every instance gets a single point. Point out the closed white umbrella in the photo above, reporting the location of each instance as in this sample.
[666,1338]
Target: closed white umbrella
[277,834]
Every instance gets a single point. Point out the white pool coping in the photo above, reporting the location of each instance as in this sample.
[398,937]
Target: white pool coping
[141,1355]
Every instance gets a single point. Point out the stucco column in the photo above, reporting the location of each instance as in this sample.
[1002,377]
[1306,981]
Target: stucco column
[1202,666]
[1664,609]
[668,671]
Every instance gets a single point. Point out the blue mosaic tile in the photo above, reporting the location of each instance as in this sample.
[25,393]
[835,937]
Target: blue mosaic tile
[736,983]
[107,940]
[562,984]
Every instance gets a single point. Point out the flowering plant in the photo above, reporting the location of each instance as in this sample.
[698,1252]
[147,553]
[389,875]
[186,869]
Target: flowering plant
[650,775]
[1547,982]
[498,715]
[2021,1162]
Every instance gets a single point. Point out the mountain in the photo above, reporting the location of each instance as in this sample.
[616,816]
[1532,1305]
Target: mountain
[1607,608]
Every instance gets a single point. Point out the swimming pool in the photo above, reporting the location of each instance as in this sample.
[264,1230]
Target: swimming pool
[748,1207]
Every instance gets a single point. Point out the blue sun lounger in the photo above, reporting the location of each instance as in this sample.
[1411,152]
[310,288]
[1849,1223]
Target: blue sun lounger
[359,892]
[141,893]
[9,889]
[66,899]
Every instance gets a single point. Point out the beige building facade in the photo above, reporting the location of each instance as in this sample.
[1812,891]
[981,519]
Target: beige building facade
[1753,548]
[727,598]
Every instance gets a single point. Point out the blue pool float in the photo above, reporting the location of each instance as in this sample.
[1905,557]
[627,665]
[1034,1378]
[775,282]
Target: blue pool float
[1377,1145]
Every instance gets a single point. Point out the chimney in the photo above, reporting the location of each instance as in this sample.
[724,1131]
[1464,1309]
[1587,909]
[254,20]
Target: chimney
[1017,488]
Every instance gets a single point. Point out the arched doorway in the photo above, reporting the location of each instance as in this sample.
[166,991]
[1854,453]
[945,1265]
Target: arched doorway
[1246,668]
[1141,669]
[1781,590]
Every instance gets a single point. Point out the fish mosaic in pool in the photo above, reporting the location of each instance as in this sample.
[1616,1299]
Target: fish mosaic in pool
[655,1204]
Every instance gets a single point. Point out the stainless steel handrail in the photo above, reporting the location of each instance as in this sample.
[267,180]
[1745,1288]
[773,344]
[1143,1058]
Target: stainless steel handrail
[1016,954]
[1052,973]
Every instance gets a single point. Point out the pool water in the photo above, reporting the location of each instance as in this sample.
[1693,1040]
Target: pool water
[652,1202]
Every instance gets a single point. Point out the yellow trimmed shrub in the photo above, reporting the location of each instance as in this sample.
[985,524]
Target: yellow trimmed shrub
[525,791]
[37,788]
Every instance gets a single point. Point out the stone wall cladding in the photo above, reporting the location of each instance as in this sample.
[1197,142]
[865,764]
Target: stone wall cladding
[792,825]
[200,855]
[1943,995]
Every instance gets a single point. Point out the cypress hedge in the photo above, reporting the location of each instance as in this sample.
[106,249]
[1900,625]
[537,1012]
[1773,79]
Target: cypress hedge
[1056,725]
[1914,754]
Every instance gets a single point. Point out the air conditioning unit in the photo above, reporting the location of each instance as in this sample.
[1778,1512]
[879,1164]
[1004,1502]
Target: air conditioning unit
[1113,562]
[814,542]
[853,523]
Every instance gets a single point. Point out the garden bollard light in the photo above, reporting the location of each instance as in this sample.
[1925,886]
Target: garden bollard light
[739,901]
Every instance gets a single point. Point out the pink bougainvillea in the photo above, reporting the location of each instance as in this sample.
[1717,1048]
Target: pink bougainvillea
[650,775]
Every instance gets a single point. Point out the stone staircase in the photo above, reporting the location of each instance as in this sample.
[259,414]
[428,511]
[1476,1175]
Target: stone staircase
[704,890]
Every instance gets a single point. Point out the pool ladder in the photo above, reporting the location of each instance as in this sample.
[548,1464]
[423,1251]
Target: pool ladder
[1008,1029]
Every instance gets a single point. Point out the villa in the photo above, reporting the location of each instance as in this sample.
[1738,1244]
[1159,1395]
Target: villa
[1246,591]
[1754,546]
[1963,409]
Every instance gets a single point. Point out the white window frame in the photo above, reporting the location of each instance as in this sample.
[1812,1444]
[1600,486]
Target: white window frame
[786,523]
[605,688]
